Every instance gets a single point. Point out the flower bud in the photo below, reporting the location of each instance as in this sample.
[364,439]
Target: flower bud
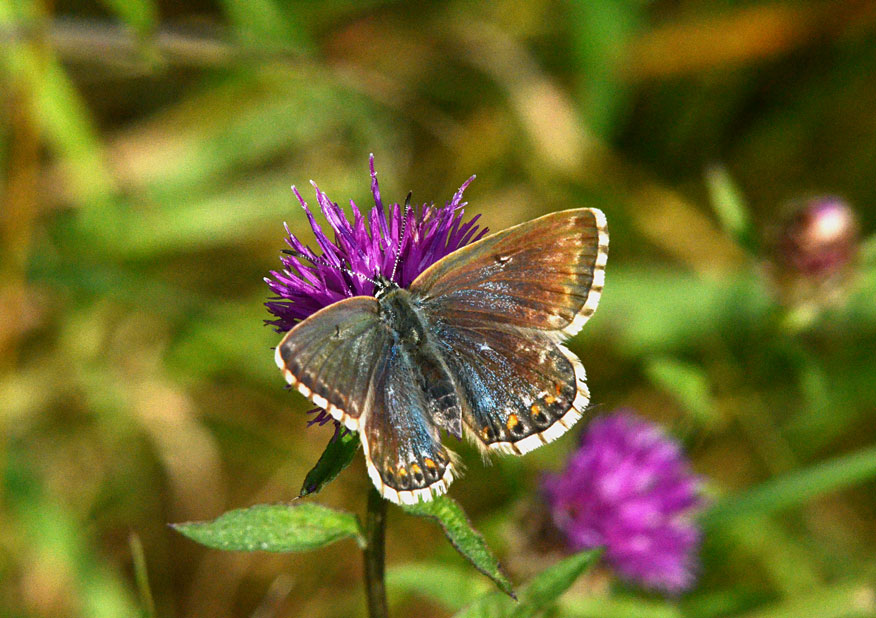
[820,239]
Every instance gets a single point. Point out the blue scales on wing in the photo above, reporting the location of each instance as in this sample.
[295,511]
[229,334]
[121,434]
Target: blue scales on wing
[499,310]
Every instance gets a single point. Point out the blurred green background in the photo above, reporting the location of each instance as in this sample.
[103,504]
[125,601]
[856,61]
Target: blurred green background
[146,153]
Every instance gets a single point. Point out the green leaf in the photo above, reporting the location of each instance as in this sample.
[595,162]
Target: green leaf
[337,455]
[275,527]
[797,487]
[540,593]
[688,383]
[731,208]
[463,537]
[140,15]
[450,585]
[141,575]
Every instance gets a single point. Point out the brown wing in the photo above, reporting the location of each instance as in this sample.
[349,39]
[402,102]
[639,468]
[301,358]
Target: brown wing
[545,274]
[331,357]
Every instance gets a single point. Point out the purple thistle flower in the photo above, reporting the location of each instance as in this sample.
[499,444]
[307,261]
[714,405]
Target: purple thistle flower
[307,284]
[630,489]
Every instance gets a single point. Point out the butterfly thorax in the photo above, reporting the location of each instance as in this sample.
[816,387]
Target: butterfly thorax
[400,314]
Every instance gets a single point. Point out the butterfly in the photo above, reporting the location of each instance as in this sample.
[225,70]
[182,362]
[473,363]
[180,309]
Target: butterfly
[473,346]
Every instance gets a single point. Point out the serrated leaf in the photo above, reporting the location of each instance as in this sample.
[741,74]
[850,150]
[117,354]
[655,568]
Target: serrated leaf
[337,455]
[541,592]
[275,528]
[463,537]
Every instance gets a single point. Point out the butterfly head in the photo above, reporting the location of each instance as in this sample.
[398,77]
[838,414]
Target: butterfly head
[382,286]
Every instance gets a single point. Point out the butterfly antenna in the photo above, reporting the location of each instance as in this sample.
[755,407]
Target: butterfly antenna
[322,262]
[401,237]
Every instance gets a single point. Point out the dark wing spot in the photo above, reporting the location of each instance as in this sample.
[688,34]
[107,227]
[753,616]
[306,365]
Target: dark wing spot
[431,469]
[404,481]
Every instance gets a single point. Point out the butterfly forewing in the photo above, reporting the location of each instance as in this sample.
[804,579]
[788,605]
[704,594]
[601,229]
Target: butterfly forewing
[544,274]
[331,357]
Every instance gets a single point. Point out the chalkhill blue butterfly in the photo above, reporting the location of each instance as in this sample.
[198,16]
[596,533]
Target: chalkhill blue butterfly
[473,346]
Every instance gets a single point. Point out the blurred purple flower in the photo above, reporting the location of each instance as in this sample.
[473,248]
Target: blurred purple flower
[630,489]
[308,283]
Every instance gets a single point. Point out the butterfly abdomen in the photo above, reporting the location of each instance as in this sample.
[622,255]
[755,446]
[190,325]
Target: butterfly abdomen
[441,392]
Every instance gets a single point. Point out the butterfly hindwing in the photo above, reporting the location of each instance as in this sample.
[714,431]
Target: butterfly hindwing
[403,450]
[520,389]
[544,274]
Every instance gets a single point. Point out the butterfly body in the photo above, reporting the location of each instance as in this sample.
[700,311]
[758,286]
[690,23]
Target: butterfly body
[411,335]
[473,346]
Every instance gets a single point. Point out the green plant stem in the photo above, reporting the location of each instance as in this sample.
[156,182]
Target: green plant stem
[375,551]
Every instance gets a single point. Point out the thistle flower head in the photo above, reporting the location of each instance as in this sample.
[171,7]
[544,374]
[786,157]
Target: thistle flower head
[629,489]
[310,281]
